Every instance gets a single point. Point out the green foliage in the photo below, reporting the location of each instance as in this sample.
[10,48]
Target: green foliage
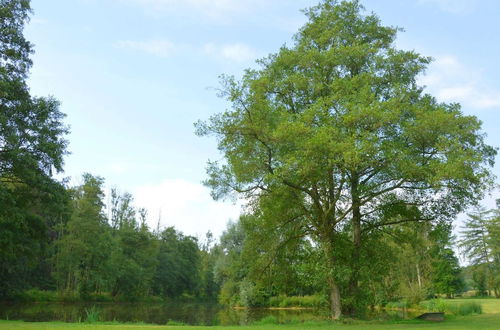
[32,146]
[434,305]
[461,308]
[39,295]
[228,294]
[177,269]
[134,258]
[314,301]
[270,319]
[92,314]
[445,267]
[209,254]
[466,308]
[480,243]
[82,258]
[120,255]
[402,304]
[332,137]
[175,323]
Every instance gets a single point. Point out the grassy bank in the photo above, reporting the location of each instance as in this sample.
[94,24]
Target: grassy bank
[485,321]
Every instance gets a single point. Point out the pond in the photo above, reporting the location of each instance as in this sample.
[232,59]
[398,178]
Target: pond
[193,313]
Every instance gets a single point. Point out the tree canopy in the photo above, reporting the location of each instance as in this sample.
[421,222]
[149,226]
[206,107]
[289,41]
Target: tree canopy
[334,135]
[32,146]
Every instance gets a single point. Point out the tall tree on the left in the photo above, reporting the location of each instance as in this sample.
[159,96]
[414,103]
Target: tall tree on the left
[32,147]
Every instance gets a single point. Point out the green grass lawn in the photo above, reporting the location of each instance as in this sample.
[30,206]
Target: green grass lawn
[490,319]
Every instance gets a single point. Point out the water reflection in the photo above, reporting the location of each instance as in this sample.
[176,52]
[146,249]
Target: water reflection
[189,313]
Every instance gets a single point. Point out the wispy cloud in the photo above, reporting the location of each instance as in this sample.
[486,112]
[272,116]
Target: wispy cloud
[160,48]
[452,6]
[451,81]
[185,205]
[237,52]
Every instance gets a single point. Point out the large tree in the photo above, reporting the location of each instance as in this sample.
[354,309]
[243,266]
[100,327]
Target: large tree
[480,243]
[31,130]
[83,253]
[32,146]
[335,130]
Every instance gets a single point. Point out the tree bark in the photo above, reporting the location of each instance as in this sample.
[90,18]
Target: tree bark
[335,304]
[418,276]
[356,239]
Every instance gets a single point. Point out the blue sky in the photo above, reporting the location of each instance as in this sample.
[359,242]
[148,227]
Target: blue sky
[134,75]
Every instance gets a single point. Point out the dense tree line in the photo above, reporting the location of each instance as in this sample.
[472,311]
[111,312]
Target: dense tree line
[86,252]
[119,254]
[410,262]
[56,237]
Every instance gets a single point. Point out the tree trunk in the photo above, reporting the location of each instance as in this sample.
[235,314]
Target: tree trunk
[418,276]
[356,240]
[335,305]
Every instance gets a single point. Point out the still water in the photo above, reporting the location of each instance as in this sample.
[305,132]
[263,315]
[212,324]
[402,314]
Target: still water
[188,313]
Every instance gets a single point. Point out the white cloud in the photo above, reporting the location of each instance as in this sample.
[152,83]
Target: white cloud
[186,205]
[451,81]
[237,52]
[452,6]
[160,48]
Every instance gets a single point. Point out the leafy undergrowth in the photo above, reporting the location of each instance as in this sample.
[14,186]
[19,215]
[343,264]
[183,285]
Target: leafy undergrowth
[449,306]
[460,308]
[297,301]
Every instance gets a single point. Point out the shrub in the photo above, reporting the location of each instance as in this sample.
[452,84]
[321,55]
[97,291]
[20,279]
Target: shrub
[461,308]
[297,301]
[270,319]
[434,305]
[465,308]
[92,315]
[36,295]
[397,304]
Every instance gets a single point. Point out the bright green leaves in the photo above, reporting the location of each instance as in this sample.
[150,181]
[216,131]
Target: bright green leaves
[337,127]
[343,103]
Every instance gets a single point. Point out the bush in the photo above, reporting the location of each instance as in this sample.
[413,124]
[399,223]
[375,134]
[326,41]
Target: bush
[228,293]
[92,315]
[434,305]
[270,319]
[465,308]
[35,295]
[402,304]
[101,297]
[297,301]
[461,308]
